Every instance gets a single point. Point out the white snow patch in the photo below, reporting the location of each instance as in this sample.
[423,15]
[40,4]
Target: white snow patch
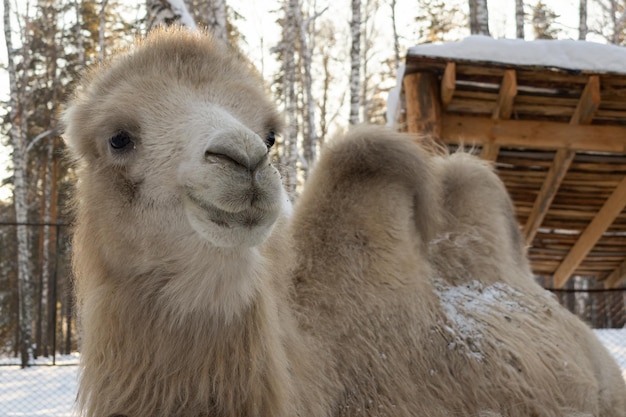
[464,304]
[615,341]
[39,391]
[50,391]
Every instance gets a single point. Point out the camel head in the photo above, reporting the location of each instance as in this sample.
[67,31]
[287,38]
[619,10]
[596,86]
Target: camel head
[175,134]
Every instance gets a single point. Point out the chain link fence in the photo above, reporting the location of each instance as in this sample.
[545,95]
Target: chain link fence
[47,388]
[41,390]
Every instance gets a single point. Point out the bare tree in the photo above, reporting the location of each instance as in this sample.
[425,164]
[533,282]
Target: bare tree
[355,60]
[310,139]
[368,39]
[437,20]
[101,31]
[543,21]
[396,38]
[330,108]
[613,21]
[479,17]
[18,117]
[519,19]
[168,12]
[218,23]
[582,20]
[289,150]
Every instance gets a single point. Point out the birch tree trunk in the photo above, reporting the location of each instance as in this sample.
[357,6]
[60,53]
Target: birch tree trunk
[20,196]
[101,28]
[582,20]
[519,19]
[396,40]
[479,17]
[79,33]
[309,142]
[355,59]
[290,140]
[167,13]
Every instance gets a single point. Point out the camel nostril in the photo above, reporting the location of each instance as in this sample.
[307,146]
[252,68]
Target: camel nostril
[231,158]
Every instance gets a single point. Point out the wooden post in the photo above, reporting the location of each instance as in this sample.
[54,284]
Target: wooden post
[502,111]
[587,240]
[616,277]
[423,106]
[448,84]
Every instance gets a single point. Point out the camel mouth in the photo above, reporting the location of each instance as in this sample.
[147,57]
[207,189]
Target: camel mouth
[248,218]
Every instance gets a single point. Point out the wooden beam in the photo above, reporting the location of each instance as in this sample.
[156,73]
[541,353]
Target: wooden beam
[471,130]
[490,151]
[616,277]
[587,240]
[448,84]
[423,107]
[562,161]
[588,103]
[503,110]
[506,97]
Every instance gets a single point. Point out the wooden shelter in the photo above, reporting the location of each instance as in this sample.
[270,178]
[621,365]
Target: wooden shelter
[558,140]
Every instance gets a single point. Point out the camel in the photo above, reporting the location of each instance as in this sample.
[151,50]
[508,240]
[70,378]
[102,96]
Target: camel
[202,292]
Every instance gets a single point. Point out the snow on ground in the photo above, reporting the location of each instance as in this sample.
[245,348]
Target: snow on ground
[49,391]
[38,391]
[615,342]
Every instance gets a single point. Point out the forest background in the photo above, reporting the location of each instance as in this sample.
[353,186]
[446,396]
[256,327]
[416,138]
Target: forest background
[327,65]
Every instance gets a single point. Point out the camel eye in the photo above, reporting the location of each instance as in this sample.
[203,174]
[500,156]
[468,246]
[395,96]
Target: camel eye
[121,140]
[270,139]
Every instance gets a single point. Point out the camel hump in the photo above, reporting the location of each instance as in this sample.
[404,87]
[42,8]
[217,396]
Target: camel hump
[476,204]
[380,171]
[375,151]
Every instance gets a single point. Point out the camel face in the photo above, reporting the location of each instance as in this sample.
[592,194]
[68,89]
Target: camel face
[183,131]
[231,193]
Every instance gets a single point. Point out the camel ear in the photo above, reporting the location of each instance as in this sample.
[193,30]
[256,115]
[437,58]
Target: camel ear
[75,122]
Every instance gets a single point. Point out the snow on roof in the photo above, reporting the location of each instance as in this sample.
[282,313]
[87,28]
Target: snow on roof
[565,54]
[562,54]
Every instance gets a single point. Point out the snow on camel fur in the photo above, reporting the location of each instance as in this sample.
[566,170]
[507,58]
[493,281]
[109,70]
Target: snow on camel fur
[480,248]
[412,272]
[199,296]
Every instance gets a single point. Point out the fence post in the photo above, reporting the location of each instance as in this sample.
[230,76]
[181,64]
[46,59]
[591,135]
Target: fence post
[54,295]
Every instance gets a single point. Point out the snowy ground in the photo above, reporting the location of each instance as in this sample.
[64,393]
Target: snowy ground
[615,342]
[49,391]
[38,391]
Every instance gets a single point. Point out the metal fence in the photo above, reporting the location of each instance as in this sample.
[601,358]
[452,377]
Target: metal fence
[48,387]
[40,390]
[50,292]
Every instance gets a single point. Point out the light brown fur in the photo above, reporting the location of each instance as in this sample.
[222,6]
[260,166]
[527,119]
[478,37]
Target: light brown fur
[199,296]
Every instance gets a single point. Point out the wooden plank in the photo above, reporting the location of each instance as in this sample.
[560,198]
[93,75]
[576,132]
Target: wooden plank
[616,277]
[562,161]
[502,110]
[448,84]
[423,107]
[605,217]
[588,103]
[490,151]
[506,97]
[583,114]
[476,131]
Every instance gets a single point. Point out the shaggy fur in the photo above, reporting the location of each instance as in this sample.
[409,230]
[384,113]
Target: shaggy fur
[398,288]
